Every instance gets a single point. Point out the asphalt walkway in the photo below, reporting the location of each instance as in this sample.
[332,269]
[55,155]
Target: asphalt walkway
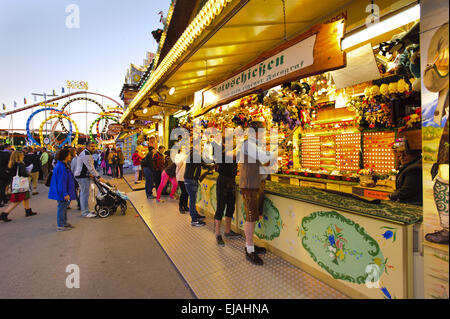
[117,257]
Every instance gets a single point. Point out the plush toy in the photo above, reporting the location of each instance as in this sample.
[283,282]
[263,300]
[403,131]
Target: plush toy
[393,87]
[375,90]
[384,89]
[402,86]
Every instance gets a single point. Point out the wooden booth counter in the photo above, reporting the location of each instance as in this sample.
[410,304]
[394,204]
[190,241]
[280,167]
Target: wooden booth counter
[364,250]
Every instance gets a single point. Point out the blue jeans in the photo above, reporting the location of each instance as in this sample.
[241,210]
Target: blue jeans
[191,188]
[61,216]
[148,175]
[85,184]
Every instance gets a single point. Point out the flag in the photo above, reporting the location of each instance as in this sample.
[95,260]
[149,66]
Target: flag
[62,90]
[45,96]
[15,104]
[4,107]
[24,101]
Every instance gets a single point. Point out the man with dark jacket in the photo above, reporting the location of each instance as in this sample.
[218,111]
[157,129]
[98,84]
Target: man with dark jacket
[5,178]
[148,167]
[32,158]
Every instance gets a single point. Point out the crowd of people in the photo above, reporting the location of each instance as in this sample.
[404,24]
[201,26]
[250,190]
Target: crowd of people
[68,174]
[70,171]
[29,163]
[186,173]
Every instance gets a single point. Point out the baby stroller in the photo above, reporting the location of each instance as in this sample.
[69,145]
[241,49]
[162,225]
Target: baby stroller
[108,199]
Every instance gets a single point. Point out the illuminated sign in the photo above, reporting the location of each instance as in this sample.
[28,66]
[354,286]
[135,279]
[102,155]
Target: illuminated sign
[80,85]
[48,105]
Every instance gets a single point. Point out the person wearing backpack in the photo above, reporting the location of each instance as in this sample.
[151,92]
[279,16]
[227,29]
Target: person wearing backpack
[17,167]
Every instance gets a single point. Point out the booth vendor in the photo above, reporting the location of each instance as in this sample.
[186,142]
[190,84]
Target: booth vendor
[409,179]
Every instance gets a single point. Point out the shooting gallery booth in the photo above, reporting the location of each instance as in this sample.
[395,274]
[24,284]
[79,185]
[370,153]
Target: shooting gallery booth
[341,81]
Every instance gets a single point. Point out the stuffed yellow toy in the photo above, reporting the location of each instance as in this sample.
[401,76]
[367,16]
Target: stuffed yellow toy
[384,89]
[375,90]
[393,87]
[402,86]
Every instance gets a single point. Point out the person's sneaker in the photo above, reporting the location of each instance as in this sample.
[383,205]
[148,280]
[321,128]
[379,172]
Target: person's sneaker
[182,211]
[260,250]
[220,241]
[438,237]
[200,216]
[231,234]
[198,223]
[151,197]
[160,201]
[69,226]
[90,215]
[68,207]
[63,229]
[253,258]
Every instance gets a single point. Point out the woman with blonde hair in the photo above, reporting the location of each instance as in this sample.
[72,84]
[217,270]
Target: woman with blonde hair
[16,166]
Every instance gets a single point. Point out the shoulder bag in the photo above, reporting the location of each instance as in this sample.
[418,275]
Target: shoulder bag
[19,184]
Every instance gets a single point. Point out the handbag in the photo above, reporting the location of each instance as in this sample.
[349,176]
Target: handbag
[19,184]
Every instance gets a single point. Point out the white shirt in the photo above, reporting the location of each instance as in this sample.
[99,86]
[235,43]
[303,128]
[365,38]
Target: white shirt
[180,161]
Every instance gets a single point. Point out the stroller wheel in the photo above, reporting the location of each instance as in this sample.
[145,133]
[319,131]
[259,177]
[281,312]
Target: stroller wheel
[97,208]
[123,208]
[103,212]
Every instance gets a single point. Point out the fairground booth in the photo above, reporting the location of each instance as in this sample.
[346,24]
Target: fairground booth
[349,85]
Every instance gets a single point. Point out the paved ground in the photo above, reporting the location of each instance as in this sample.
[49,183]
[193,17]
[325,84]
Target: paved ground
[118,257]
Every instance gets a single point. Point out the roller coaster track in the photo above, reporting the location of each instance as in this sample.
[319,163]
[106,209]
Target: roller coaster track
[57,99]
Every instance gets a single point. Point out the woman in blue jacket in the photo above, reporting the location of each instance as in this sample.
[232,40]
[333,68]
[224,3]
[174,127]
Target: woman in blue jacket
[62,187]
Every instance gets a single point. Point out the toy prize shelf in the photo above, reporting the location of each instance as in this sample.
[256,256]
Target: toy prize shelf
[378,153]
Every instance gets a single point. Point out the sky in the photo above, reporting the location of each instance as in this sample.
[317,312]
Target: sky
[39,53]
